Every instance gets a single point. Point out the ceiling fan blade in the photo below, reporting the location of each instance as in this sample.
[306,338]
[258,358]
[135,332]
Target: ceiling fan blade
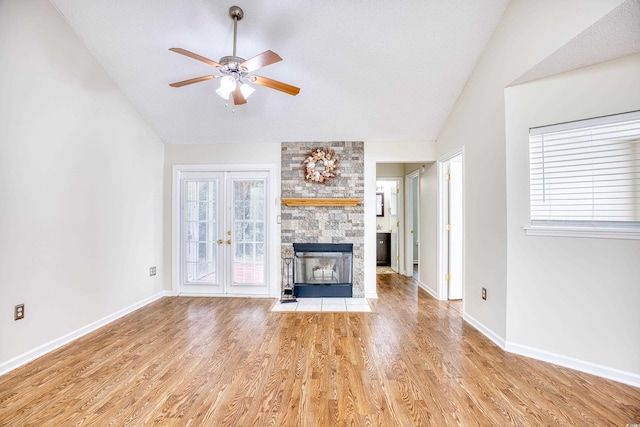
[196,56]
[238,97]
[274,84]
[194,80]
[261,60]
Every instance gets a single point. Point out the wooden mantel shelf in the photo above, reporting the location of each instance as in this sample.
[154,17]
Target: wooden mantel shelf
[319,202]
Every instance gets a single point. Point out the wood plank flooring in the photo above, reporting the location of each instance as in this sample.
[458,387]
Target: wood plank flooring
[232,362]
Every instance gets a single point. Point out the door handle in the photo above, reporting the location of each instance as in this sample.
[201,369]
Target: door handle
[229,242]
[220,241]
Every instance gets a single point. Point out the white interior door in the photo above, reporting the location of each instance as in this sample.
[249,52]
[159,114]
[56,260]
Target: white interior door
[411,204]
[394,219]
[223,236]
[455,228]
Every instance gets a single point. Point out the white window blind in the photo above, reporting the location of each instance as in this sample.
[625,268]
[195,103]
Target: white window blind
[586,173]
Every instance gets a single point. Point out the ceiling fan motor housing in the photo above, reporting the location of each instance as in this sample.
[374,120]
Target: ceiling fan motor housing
[231,63]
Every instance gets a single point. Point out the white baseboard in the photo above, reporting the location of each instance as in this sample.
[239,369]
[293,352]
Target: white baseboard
[201,295]
[427,289]
[579,365]
[65,339]
[556,359]
[497,340]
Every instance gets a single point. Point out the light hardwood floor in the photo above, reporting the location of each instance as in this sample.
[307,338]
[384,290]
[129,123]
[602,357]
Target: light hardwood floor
[232,362]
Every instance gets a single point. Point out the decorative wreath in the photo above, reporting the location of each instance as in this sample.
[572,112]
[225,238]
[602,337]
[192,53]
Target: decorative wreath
[320,165]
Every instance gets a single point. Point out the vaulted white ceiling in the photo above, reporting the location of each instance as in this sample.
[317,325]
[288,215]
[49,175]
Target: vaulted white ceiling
[380,71]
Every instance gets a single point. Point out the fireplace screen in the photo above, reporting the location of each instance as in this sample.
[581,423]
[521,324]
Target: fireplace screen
[323,264]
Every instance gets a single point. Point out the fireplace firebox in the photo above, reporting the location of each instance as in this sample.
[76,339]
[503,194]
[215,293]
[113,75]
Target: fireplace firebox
[323,270]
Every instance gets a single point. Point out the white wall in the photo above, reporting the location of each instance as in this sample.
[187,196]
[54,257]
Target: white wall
[528,32]
[80,187]
[573,297]
[224,154]
[393,170]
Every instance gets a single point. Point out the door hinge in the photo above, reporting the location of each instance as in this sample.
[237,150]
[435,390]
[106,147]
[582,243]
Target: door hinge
[398,257]
[448,177]
[447,277]
[398,224]
[448,227]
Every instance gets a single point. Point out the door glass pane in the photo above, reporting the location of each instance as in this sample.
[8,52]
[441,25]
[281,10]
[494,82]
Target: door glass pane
[248,224]
[201,231]
[259,232]
[248,231]
[238,231]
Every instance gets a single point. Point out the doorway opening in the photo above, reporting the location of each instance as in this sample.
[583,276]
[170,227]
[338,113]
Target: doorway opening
[389,211]
[398,218]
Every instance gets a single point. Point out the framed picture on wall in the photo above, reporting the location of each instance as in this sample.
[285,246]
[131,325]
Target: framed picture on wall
[379,204]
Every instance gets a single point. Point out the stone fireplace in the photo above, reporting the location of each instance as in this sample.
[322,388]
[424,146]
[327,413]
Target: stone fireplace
[325,224]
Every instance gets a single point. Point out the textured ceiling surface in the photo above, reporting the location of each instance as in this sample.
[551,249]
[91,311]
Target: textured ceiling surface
[615,35]
[381,71]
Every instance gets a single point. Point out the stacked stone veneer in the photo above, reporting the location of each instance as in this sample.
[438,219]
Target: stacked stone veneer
[326,224]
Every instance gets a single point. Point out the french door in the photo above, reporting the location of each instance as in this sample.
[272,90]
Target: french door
[223,232]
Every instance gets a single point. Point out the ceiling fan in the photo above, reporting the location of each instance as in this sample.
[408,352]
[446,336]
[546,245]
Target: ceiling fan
[235,71]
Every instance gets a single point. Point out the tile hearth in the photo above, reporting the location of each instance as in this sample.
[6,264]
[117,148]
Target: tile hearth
[324,305]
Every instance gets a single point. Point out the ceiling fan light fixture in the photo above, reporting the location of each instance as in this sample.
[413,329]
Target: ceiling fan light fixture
[228,83]
[246,90]
[223,93]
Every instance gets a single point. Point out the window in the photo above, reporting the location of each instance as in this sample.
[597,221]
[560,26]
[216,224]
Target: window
[586,174]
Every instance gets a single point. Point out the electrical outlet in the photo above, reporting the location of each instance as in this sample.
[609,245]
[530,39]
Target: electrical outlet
[19,312]
[152,271]
[484,294]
